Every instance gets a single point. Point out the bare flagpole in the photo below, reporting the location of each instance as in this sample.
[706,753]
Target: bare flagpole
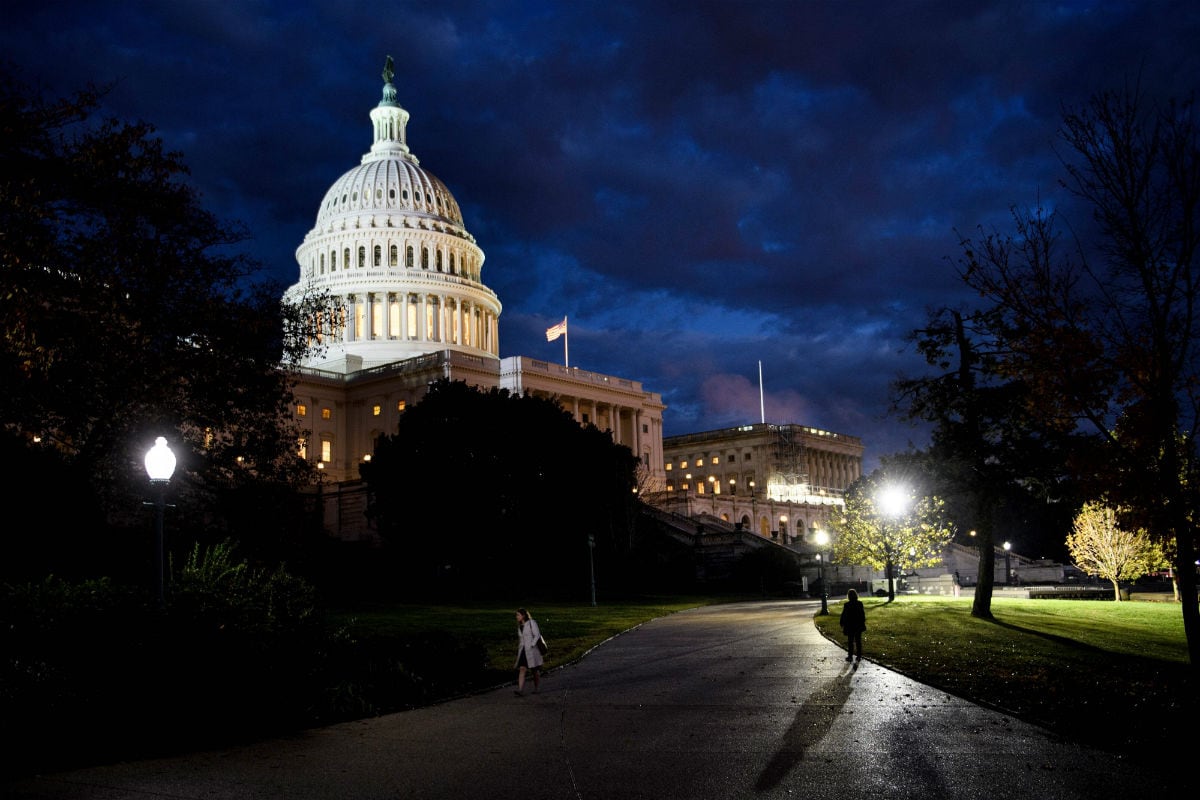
[762,409]
[566,343]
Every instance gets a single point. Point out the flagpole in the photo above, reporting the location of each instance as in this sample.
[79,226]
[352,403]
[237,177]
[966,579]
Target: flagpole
[566,343]
[762,409]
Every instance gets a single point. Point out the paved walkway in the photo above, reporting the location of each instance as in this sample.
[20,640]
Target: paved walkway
[729,701]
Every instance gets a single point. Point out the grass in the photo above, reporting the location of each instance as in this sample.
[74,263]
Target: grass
[1110,674]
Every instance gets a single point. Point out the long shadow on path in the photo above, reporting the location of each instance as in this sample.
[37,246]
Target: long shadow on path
[812,722]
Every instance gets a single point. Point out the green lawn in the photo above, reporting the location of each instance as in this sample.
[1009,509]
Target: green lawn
[1107,673]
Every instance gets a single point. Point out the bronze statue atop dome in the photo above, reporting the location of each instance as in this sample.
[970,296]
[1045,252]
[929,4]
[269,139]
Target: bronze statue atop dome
[389,71]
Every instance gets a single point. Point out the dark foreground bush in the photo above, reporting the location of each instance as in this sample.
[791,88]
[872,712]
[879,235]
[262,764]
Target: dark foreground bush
[93,671]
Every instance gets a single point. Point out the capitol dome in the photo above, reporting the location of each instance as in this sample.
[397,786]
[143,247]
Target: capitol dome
[390,247]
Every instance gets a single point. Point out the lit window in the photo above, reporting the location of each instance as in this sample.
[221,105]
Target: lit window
[366,457]
[716,459]
[302,410]
[683,464]
[326,450]
[326,413]
[670,466]
[302,450]
[400,405]
[376,411]
[699,462]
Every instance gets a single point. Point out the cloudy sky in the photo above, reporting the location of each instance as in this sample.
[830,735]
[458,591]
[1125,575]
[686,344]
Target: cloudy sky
[701,187]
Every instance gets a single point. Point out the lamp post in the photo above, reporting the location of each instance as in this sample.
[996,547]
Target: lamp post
[160,466]
[592,564]
[822,540]
[753,508]
[712,488]
[1007,563]
[783,528]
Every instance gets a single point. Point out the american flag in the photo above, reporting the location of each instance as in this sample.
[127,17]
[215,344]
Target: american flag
[555,331]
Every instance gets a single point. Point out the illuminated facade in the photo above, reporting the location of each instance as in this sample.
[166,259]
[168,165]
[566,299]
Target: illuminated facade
[781,481]
[391,248]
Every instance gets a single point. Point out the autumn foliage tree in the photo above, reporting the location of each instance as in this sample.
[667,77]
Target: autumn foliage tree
[1100,546]
[877,531]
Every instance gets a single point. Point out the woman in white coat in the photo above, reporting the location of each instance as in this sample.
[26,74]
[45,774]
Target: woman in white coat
[528,656]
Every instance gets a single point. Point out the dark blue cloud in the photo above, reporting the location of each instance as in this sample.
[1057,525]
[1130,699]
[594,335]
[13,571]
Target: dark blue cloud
[700,186]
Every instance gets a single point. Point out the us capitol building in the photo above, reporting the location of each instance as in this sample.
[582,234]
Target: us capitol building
[406,279]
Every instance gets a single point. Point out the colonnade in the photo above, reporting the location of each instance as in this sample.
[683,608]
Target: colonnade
[369,316]
[831,470]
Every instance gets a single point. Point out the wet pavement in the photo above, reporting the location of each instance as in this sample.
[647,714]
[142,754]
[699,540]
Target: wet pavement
[744,700]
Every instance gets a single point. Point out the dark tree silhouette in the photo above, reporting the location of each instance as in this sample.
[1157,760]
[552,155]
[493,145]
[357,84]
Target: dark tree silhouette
[128,313]
[495,492]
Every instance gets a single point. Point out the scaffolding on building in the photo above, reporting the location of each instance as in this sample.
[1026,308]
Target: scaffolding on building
[787,471]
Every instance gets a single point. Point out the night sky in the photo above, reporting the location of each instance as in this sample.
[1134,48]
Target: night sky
[699,186]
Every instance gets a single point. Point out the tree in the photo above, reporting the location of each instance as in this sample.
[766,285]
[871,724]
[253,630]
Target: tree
[129,313]
[882,528]
[509,494]
[1099,546]
[1106,335]
[987,457]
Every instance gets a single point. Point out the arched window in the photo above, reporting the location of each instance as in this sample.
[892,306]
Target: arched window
[439,260]
[408,256]
[362,257]
[322,263]
[378,259]
[452,272]
[392,256]
[333,260]
[424,258]
[346,258]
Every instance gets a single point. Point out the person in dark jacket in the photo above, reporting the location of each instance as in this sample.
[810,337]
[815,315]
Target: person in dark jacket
[853,622]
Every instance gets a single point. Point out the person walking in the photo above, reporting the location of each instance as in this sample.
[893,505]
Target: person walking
[854,622]
[528,655]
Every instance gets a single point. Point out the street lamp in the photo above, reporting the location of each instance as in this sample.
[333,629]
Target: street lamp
[822,540]
[712,488]
[783,528]
[160,466]
[1007,563]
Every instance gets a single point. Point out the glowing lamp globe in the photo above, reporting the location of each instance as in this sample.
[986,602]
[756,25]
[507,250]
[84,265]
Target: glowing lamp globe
[160,461]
